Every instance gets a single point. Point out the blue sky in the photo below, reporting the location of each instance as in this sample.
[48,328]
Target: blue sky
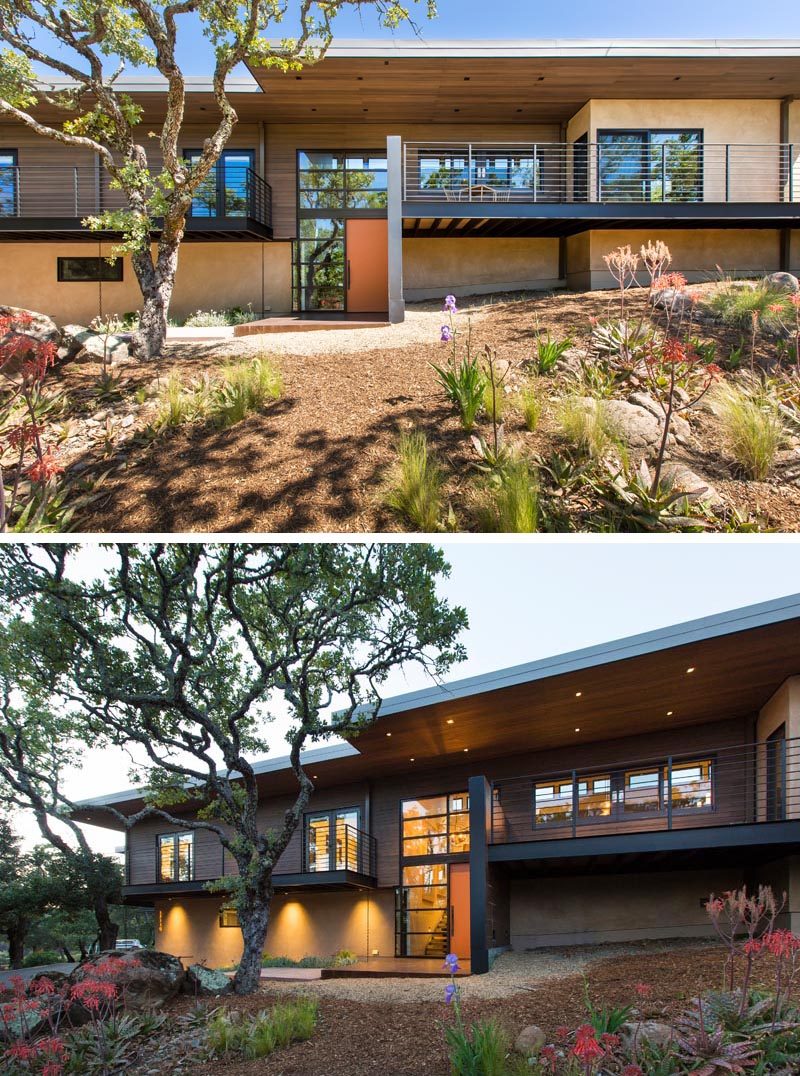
[533,599]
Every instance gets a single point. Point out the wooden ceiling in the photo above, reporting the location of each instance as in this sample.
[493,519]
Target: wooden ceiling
[509,89]
[734,675]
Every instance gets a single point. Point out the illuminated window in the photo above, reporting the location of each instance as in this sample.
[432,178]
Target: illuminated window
[552,803]
[175,857]
[691,786]
[228,917]
[345,851]
[436,825]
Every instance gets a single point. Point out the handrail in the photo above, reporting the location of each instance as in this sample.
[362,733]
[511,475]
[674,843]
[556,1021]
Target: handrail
[359,852]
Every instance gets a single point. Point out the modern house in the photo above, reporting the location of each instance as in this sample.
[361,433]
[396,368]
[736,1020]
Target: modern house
[394,171]
[600,795]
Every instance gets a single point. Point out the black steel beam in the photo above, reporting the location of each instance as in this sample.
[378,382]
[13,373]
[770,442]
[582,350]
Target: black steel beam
[480,824]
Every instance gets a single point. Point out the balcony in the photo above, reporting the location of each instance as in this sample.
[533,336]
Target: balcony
[49,203]
[705,802]
[353,865]
[468,188]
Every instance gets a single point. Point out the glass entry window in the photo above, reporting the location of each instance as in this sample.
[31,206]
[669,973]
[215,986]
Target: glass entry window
[175,857]
[436,825]
[623,795]
[650,166]
[320,264]
[8,183]
[332,840]
[331,179]
[421,916]
[225,190]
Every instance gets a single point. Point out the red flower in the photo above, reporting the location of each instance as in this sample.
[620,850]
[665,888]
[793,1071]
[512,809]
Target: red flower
[562,1031]
[644,990]
[43,985]
[753,946]
[23,435]
[632,1070]
[45,468]
[586,1047]
[611,1042]
[672,280]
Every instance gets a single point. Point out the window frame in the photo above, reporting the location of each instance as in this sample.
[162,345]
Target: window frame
[648,132]
[100,261]
[228,926]
[331,816]
[14,155]
[175,880]
[219,181]
[448,833]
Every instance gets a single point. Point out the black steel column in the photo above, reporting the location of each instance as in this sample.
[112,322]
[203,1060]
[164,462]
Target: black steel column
[480,821]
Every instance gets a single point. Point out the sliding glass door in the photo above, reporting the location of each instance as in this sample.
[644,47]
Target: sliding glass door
[650,166]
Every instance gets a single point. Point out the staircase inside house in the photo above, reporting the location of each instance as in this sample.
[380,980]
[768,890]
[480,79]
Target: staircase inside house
[438,945]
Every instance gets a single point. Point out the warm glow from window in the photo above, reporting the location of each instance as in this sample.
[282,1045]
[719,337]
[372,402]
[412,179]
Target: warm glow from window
[436,825]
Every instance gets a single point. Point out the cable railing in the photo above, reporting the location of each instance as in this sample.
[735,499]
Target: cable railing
[727,786]
[348,848]
[606,172]
[58,192]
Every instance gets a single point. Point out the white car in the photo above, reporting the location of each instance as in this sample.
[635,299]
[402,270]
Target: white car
[128,943]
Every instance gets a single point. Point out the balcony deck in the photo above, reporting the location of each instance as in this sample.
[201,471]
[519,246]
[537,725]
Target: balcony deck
[651,811]
[471,189]
[50,204]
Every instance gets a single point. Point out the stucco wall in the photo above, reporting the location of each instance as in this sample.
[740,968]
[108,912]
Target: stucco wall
[696,252]
[435,267]
[210,275]
[301,924]
[598,908]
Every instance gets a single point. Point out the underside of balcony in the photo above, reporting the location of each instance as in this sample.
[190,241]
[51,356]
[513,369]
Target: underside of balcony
[71,230]
[437,220]
[317,882]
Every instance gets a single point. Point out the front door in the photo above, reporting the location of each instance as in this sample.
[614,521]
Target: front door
[367,265]
[459,910]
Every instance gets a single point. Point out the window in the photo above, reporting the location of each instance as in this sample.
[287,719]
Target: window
[436,825]
[89,270]
[422,927]
[330,179]
[333,840]
[225,192]
[319,264]
[691,786]
[650,166]
[552,802]
[448,171]
[175,857]
[228,917]
[8,183]
[642,792]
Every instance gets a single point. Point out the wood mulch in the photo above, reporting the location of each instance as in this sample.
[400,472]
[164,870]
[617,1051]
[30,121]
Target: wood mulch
[406,1039]
[318,459]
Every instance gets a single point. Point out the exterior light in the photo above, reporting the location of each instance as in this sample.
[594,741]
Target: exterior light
[577,730]
[578,694]
[450,721]
[669,713]
[690,669]
[411,760]
[388,734]
[465,750]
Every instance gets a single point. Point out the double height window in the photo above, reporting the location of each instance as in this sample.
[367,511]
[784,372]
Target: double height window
[620,795]
[176,857]
[436,825]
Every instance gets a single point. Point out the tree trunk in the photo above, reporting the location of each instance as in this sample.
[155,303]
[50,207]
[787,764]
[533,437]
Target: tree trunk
[16,944]
[107,928]
[156,282]
[254,923]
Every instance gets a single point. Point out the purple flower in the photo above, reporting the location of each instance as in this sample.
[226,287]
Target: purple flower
[450,992]
[450,304]
[451,962]
[447,334]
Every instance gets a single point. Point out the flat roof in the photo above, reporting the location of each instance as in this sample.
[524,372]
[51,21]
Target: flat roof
[563,47]
[773,655]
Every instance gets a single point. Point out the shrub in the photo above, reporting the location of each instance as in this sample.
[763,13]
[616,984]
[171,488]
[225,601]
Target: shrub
[531,403]
[259,1035]
[752,427]
[622,339]
[207,319]
[587,425]
[735,305]
[244,387]
[178,403]
[513,499]
[463,384]
[548,352]
[416,493]
[42,956]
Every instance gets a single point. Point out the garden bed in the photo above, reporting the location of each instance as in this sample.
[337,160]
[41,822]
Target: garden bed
[320,457]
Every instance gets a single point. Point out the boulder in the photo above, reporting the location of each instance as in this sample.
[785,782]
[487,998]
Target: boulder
[147,979]
[652,1031]
[784,281]
[637,427]
[687,481]
[670,299]
[39,1015]
[205,982]
[86,345]
[530,1041]
[571,361]
[31,327]
[678,426]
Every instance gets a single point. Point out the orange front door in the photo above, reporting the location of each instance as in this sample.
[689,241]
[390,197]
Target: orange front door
[459,910]
[367,266]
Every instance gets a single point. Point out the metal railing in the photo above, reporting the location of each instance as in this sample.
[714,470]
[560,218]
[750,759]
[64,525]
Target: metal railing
[348,848]
[710,787]
[605,172]
[78,191]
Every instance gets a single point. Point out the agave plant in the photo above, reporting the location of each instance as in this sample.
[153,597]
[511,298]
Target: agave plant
[625,339]
[708,1051]
[645,505]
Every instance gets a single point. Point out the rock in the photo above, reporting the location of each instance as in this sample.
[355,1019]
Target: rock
[147,979]
[670,299]
[686,480]
[530,1041]
[679,428]
[205,982]
[637,427]
[572,361]
[86,345]
[652,1031]
[784,281]
[30,326]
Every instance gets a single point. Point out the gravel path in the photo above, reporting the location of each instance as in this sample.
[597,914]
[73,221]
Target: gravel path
[512,973]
